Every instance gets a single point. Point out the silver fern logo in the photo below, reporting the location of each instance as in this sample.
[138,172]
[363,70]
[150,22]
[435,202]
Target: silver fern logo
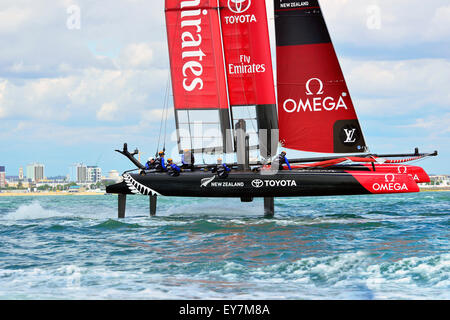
[206,181]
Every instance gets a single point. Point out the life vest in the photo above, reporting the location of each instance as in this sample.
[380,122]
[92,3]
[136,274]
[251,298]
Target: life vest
[222,171]
[174,170]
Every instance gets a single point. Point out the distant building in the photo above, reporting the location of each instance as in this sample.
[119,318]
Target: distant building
[2,177]
[21,174]
[30,172]
[74,189]
[94,174]
[35,172]
[87,174]
[82,175]
[440,180]
[437,182]
[113,176]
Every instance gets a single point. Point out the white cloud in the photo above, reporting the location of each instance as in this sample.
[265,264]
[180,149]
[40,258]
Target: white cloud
[438,125]
[84,96]
[402,22]
[399,87]
[44,99]
[20,67]
[108,112]
[12,18]
[68,135]
[439,26]
[2,90]
[136,55]
[155,115]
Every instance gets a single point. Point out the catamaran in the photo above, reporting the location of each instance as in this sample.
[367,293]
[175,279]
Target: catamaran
[225,102]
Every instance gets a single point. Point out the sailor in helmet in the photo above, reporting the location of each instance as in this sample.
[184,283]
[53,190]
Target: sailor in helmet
[151,164]
[280,160]
[222,169]
[160,163]
[173,169]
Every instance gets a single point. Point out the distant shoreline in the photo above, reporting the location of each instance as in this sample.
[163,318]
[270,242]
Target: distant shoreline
[434,189]
[43,194]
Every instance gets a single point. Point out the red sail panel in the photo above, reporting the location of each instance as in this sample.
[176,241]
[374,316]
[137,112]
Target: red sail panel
[315,110]
[196,54]
[247,52]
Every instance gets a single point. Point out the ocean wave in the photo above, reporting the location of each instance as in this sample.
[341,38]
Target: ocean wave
[357,274]
[33,211]
[346,276]
[314,248]
[114,224]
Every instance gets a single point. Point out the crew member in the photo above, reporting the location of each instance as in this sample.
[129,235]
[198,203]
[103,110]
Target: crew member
[282,160]
[151,164]
[187,159]
[160,163]
[173,169]
[222,169]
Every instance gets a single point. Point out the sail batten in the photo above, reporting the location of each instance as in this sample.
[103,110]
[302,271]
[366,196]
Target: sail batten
[315,109]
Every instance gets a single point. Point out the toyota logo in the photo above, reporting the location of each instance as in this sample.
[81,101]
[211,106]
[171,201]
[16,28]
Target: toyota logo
[257,183]
[239,6]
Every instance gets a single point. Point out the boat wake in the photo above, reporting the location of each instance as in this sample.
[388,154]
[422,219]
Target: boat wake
[33,211]
[345,276]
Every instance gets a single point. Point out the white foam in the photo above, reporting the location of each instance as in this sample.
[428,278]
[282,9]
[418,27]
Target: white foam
[343,276]
[33,211]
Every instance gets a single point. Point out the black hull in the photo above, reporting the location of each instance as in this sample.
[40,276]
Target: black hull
[245,185]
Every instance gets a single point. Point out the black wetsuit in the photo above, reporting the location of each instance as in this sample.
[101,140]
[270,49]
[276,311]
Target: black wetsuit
[222,170]
[150,165]
[160,164]
[282,160]
[173,170]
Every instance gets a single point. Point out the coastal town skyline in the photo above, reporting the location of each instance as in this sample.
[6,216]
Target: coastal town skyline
[35,173]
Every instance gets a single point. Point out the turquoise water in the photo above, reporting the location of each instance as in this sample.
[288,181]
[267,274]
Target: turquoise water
[359,247]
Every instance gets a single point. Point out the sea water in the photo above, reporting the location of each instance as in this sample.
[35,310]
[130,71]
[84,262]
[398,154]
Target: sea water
[358,247]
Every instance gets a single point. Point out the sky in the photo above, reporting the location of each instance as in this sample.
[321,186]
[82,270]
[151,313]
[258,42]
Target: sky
[80,78]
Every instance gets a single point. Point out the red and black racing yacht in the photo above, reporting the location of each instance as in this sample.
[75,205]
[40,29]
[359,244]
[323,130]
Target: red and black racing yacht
[225,103]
